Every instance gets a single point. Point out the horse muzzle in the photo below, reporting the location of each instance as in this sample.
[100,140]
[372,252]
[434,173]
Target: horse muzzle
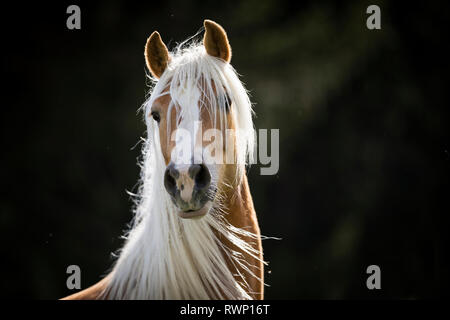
[189,187]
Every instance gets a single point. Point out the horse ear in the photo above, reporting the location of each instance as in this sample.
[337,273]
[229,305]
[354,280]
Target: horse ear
[216,41]
[156,55]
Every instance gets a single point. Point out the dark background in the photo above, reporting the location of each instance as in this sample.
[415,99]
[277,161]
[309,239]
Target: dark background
[364,150]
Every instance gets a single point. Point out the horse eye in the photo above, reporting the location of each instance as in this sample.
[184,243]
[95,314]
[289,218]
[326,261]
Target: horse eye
[156,116]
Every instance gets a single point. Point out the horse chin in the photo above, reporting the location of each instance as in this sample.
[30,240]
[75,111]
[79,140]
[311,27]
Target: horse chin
[195,214]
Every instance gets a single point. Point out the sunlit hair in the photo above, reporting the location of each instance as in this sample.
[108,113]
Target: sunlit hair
[165,257]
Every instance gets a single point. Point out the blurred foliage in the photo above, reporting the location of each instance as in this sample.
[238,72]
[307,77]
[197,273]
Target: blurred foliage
[363,119]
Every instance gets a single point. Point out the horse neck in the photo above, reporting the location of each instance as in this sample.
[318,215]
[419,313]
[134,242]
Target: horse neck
[238,203]
[240,213]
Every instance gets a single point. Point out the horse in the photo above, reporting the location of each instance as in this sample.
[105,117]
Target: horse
[195,233]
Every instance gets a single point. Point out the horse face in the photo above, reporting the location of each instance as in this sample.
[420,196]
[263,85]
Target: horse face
[194,122]
[196,141]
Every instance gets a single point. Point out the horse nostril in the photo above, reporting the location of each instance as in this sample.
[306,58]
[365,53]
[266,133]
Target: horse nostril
[170,177]
[200,174]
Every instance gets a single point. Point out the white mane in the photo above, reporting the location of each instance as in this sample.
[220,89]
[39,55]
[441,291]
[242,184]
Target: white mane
[165,257]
